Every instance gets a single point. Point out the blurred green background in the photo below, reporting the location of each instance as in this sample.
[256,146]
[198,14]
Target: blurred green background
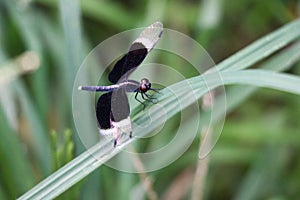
[256,157]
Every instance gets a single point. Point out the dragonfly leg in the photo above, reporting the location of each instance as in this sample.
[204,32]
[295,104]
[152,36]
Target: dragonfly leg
[136,94]
[155,90]
[150,99]
[148,96]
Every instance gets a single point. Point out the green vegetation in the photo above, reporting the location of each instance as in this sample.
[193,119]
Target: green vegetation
[44,42]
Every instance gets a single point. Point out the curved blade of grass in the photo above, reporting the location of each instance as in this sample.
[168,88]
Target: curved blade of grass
[264,78]
[236,94]
[262,48]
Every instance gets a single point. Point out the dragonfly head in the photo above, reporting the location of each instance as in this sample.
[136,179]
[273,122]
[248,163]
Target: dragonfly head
[145,85]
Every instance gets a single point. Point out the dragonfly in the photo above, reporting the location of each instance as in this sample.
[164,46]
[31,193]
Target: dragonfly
[112,108]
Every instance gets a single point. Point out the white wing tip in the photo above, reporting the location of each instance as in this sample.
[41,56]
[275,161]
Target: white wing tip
[157,24]
[150,35]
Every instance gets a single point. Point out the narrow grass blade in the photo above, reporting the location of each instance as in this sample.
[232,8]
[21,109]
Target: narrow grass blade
[262,48]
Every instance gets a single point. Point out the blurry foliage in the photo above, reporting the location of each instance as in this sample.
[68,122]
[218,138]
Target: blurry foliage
[260,140]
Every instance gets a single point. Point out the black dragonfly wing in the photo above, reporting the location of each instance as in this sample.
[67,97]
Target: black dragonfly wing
[137,53]
[128,63]
[120,109]
[103,111]
[112,107]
